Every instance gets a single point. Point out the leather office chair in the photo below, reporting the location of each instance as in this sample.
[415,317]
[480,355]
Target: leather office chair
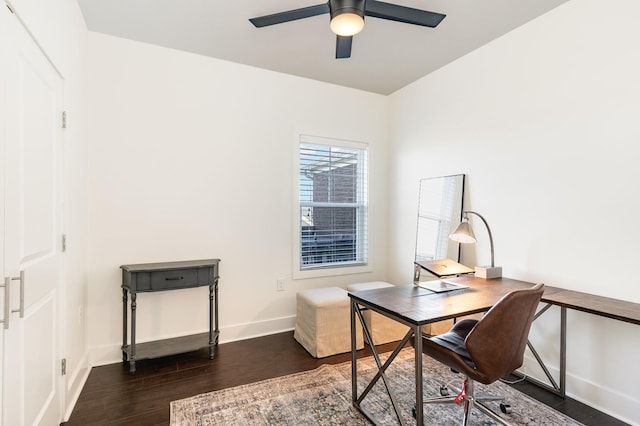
[487,349]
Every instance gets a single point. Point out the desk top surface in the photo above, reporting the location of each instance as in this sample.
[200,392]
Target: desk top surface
[419,306]
[617,309]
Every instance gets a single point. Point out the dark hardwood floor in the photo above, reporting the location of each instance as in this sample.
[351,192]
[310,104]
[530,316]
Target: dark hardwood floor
[112,396]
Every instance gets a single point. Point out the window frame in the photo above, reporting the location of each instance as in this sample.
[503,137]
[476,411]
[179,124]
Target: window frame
[339,269]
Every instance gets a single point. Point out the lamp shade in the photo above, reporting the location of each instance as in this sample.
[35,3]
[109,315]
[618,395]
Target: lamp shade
[347,24]
[463,233]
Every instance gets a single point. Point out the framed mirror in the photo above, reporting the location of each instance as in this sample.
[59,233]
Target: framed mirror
[439,210]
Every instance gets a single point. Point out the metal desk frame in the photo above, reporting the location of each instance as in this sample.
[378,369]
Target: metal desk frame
[414,330]
[488,292]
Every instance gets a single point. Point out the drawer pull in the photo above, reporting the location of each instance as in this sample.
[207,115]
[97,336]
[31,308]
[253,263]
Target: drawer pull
[174,278]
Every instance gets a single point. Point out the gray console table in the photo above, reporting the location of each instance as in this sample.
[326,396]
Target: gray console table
[150,277]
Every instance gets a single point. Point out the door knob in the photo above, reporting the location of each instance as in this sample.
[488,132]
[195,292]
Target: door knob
[21,279]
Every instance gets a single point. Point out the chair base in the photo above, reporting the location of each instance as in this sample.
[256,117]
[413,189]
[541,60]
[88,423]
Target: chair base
[466,396]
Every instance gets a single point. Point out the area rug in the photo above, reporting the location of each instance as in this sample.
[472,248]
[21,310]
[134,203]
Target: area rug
[323,397]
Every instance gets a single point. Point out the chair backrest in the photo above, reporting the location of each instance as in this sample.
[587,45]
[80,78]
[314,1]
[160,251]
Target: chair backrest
[498,341]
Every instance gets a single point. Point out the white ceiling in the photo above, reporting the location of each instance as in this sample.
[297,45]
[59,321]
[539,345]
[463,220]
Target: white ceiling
[385,57]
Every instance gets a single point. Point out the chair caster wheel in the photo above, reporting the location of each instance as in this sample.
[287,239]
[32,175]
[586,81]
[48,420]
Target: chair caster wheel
[505,408]
[444,391]
[413,411]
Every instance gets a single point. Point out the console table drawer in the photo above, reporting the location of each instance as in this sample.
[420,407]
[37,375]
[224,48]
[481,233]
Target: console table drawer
[168,280]
[181,278]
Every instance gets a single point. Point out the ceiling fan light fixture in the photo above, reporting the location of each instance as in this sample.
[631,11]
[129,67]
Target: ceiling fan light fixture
[347,24]
[347,17]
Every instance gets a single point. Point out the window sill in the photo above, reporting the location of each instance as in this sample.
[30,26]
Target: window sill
[331,271]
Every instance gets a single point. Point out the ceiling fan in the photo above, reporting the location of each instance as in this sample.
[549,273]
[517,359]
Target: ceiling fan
[347,18]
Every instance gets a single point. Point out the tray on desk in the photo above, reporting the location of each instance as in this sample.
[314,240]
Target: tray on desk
[439,286]
[444,267]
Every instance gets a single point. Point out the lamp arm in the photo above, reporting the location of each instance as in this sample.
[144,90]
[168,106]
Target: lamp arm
[488,230]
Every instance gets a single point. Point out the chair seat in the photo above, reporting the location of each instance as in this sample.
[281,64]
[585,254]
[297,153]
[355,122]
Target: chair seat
[454,339]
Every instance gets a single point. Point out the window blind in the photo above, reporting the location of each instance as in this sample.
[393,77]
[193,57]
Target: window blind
[333,204]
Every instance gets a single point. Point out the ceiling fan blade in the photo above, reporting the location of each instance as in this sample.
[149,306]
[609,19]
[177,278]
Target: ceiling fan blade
[343,47]
[290,15]
[409,15]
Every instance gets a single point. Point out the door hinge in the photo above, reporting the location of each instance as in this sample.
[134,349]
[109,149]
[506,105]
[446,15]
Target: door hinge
[63,366]
[64,242]
[64,119]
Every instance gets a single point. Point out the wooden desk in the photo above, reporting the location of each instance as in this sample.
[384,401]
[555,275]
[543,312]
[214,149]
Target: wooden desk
[415,307]
[151,277]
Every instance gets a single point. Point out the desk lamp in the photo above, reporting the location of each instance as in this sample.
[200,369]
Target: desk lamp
[464,234]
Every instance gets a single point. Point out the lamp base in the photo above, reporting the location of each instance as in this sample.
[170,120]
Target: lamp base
[488,272]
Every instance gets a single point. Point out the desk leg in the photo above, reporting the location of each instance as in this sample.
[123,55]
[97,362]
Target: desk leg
[354,359]
[552,386]
[417,337]
[125,299]
[563,350]
[132,351]
[357,400]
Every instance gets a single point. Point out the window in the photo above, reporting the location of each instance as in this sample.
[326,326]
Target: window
[332,212]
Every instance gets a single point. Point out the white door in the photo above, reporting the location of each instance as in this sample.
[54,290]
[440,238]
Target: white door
[3,41]
[32,97]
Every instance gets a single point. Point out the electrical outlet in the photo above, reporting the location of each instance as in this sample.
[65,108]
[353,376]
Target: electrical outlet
[80,317]
[280,285]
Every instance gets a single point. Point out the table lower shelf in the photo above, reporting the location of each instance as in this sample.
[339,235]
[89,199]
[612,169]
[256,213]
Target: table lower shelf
[167,347]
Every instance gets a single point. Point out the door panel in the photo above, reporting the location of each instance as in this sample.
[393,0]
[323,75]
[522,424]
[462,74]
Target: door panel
[39,351]
[38,169]
[33,142]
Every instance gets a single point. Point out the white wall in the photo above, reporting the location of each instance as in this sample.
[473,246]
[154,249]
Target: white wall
[59,28]
[544,122]
[192,158]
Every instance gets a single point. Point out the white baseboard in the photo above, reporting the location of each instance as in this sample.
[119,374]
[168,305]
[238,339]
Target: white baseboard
[256,329]
[623,406]
[75,384]
[111,354]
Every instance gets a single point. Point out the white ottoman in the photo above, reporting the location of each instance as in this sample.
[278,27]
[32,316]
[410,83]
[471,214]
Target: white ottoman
[383,329]
[323,322]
